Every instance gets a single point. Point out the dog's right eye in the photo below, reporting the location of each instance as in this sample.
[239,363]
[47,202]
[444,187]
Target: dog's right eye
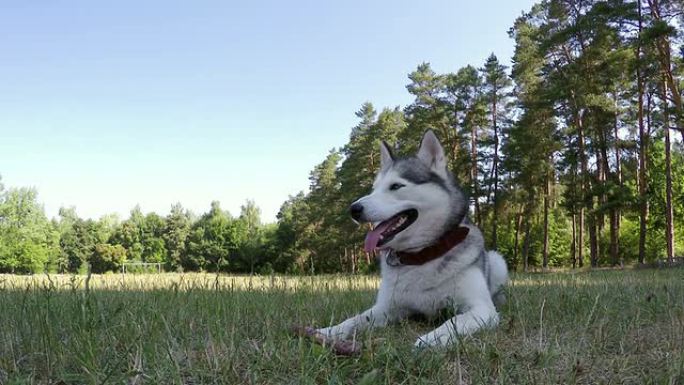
[396,186]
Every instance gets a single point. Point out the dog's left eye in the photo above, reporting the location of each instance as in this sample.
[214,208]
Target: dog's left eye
[396,186]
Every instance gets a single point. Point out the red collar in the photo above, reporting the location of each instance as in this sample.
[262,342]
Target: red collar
[445,243]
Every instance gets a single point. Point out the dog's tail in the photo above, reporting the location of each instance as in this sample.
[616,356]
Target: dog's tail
[498,277]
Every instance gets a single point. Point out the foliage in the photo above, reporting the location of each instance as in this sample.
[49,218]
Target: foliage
[106,257]
[27,240]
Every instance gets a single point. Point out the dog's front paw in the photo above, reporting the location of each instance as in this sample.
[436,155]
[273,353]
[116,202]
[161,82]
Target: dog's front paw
[332,332]
[433,339]
[326,332]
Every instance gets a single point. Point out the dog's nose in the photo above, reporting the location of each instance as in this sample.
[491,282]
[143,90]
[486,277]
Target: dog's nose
[356,210]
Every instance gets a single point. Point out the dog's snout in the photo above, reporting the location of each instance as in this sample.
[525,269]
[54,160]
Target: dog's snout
[356,211]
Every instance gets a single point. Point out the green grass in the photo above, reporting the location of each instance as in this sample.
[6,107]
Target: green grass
[589,327]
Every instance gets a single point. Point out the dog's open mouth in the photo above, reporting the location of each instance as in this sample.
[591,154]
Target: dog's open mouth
[386,230]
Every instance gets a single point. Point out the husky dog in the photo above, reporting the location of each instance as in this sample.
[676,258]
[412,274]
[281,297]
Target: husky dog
[431,256]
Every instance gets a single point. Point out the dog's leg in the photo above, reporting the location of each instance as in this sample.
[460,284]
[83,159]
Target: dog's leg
[376,316]
[480,312]
[477,317]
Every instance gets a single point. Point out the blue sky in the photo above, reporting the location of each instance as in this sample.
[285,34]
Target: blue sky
[105,105]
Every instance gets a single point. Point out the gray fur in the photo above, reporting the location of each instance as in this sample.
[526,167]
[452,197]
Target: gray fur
[416,172]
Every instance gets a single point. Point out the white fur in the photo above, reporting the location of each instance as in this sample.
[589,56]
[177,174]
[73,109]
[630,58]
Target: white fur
[454,280]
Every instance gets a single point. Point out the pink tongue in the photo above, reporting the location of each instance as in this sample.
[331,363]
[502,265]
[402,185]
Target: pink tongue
[373,236]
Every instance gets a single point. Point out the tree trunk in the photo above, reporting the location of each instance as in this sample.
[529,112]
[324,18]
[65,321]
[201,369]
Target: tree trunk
[580,239]
[495,220]
[615,217]
[545,255]
[598,217]
[518,225]
[343,259]
[573,210]
[669,229]
[614,237]
[473,174]
[449,144]
[643,147]
[601,177]
[664,59]
[595,219]
[354,259]
[586,186]
[593,232]
[593,241]
[573,245]
[526,243]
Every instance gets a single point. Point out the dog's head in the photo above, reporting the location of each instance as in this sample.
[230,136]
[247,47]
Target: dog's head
[414,200]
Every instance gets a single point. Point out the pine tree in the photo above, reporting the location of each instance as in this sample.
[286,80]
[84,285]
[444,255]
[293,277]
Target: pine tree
[496,88]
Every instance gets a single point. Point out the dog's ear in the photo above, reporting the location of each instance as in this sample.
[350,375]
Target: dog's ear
[386,156]
[431,153]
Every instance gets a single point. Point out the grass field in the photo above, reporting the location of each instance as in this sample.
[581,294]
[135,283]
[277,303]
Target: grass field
[591,327]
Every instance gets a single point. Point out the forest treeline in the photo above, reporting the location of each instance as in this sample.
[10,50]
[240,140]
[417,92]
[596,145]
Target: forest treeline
[572,156]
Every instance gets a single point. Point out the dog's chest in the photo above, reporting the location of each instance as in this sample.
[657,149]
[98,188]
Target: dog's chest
[427,288]
[418,289]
